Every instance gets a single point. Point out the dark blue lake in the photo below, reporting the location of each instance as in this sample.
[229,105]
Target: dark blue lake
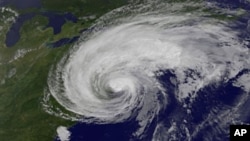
[21,4]
[56,21]
[13,35]
[63,41]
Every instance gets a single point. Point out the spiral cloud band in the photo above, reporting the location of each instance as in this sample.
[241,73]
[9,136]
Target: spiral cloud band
[112,74]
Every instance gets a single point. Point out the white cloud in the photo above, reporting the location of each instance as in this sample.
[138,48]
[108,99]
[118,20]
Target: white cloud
[63,133]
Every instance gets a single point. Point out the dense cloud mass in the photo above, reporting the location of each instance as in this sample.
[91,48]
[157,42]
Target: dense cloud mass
[137,61]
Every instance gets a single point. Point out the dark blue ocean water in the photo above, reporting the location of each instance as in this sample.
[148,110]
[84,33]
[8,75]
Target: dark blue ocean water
[209,98]
[232,4]
[113,132]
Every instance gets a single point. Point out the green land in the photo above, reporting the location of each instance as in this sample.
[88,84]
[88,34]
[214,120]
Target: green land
[25,67]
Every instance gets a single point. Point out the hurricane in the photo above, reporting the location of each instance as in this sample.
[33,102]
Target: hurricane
[139,60]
